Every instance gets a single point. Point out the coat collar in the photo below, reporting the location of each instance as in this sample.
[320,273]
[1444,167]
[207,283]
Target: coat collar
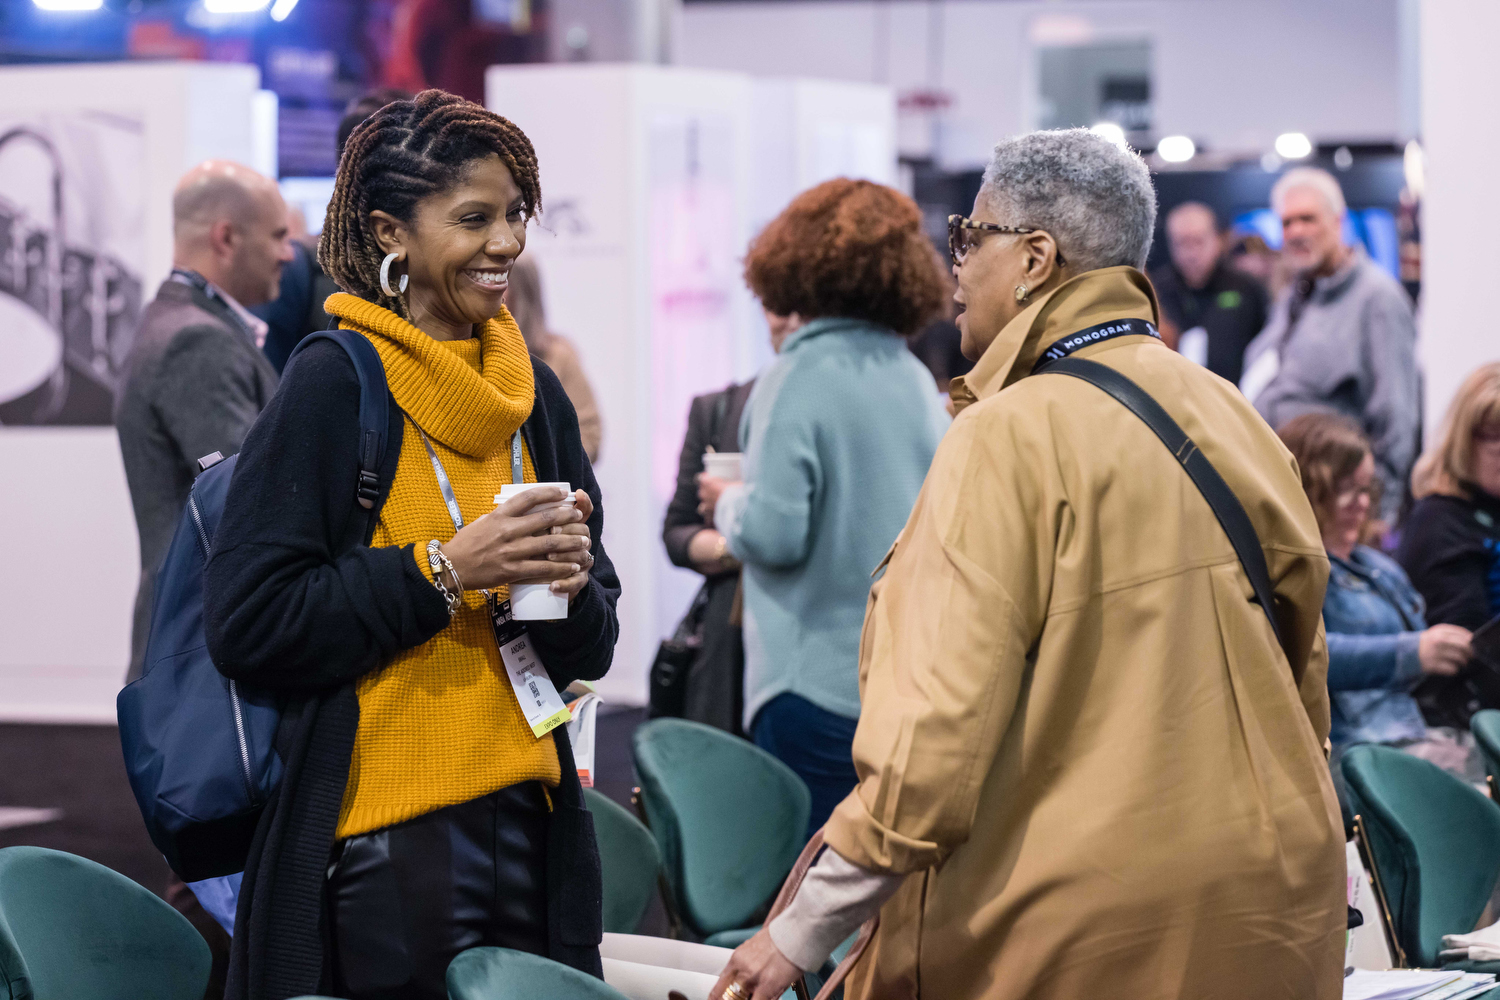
[1092,297]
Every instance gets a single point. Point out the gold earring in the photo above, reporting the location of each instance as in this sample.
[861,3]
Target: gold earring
[1021,293]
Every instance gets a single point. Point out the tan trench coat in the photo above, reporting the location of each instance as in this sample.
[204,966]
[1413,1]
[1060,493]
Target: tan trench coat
[1078,734]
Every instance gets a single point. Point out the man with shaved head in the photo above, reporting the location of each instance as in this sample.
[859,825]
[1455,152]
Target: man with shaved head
[1214,309]
[195,381]
[196,378]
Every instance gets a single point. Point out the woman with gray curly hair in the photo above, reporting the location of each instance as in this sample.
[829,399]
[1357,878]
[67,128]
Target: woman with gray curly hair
[1090,762]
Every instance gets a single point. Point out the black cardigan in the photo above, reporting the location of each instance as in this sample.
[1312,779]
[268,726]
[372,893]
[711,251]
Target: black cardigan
[1448,549]
[297,602]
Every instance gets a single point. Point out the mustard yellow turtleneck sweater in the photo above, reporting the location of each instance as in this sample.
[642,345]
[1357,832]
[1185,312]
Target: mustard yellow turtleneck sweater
[439,724]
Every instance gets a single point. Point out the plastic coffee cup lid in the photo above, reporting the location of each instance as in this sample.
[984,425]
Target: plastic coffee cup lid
[515,489]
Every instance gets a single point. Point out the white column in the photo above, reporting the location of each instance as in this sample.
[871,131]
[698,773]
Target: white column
[645,179]
[1461,207]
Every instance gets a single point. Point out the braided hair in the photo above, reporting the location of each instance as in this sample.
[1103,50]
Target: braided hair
[399,155]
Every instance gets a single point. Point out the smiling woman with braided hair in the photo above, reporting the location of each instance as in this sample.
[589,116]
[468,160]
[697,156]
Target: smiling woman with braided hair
[419,814]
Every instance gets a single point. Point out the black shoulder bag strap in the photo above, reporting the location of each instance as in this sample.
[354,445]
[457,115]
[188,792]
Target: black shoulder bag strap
[374,405]
[717,414]
[1226,506]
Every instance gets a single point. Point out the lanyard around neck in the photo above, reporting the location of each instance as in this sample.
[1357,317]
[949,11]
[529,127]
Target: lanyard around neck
[1095,335]
[517,474]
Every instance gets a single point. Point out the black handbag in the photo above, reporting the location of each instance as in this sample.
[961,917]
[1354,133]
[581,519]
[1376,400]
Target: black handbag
[674,659]
[676,655]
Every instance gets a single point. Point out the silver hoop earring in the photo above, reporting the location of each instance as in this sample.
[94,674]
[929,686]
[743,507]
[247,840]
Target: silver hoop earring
[385,277]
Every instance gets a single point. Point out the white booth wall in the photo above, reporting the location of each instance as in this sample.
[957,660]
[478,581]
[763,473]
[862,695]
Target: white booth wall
[1461,202]
[653,181]
[72,557]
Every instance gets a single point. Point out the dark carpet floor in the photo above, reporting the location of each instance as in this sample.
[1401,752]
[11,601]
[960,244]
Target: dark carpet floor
[79,770]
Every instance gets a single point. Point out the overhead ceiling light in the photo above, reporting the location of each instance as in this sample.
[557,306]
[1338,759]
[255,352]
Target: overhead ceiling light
[1110,132]
[1176,149]
[281,8]
[68,4]
[234,6]
[1293,146]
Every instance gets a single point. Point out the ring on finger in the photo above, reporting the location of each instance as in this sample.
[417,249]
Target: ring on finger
[734,991]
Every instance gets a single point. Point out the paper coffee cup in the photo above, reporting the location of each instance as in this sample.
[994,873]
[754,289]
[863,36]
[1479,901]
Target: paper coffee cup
[536,602]
[722,465]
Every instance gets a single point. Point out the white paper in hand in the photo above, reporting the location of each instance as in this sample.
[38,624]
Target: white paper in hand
[585,710]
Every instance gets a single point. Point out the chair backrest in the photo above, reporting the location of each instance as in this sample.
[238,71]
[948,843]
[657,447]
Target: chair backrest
[505,974]
[1485,726]
[1434,841]
[729,818]
[629,859]
[73,928]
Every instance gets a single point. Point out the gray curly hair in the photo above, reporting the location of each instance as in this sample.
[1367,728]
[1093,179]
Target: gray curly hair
[1095,198]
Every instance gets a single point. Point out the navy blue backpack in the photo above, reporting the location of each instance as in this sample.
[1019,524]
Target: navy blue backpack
[199,747]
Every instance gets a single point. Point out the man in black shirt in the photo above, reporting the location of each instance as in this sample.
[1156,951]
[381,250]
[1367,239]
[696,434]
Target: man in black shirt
[1216,311]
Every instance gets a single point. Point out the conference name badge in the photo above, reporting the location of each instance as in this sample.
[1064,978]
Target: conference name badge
[540,703]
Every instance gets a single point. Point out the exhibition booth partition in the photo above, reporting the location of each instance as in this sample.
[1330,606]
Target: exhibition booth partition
[89,155]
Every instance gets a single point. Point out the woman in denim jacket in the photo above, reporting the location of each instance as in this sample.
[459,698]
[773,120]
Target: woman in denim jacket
[1379,643]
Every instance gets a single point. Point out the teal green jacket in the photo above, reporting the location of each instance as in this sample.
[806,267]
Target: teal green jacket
[837,437]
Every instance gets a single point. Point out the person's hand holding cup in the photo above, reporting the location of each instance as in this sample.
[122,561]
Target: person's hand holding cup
[720,469]
[541,538]
[548,598]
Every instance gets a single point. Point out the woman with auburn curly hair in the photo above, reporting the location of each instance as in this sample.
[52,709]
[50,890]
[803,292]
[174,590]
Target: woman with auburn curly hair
[422,810]
[837,438]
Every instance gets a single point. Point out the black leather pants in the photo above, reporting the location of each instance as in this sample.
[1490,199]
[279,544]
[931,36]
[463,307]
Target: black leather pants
[406,899]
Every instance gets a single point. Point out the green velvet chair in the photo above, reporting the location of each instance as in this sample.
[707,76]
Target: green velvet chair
[630,860]
[729,819]
[505,974]
[1434,842]
[1485,726]
[70,928]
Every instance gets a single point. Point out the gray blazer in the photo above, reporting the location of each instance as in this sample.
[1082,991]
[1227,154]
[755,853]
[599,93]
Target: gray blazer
[194,383]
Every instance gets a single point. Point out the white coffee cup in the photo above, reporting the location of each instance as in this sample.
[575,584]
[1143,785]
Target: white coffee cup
[722,465]
[536,602]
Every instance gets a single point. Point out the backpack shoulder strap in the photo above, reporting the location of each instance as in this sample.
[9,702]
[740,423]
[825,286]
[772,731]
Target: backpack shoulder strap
[374,405]
[1226,506]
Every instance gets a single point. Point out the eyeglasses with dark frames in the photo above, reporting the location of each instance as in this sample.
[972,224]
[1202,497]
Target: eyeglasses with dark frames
[963,236]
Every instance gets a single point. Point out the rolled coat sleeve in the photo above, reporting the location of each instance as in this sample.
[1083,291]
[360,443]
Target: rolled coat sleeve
[945,649]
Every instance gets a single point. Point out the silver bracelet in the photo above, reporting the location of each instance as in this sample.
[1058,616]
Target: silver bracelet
[438,560]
